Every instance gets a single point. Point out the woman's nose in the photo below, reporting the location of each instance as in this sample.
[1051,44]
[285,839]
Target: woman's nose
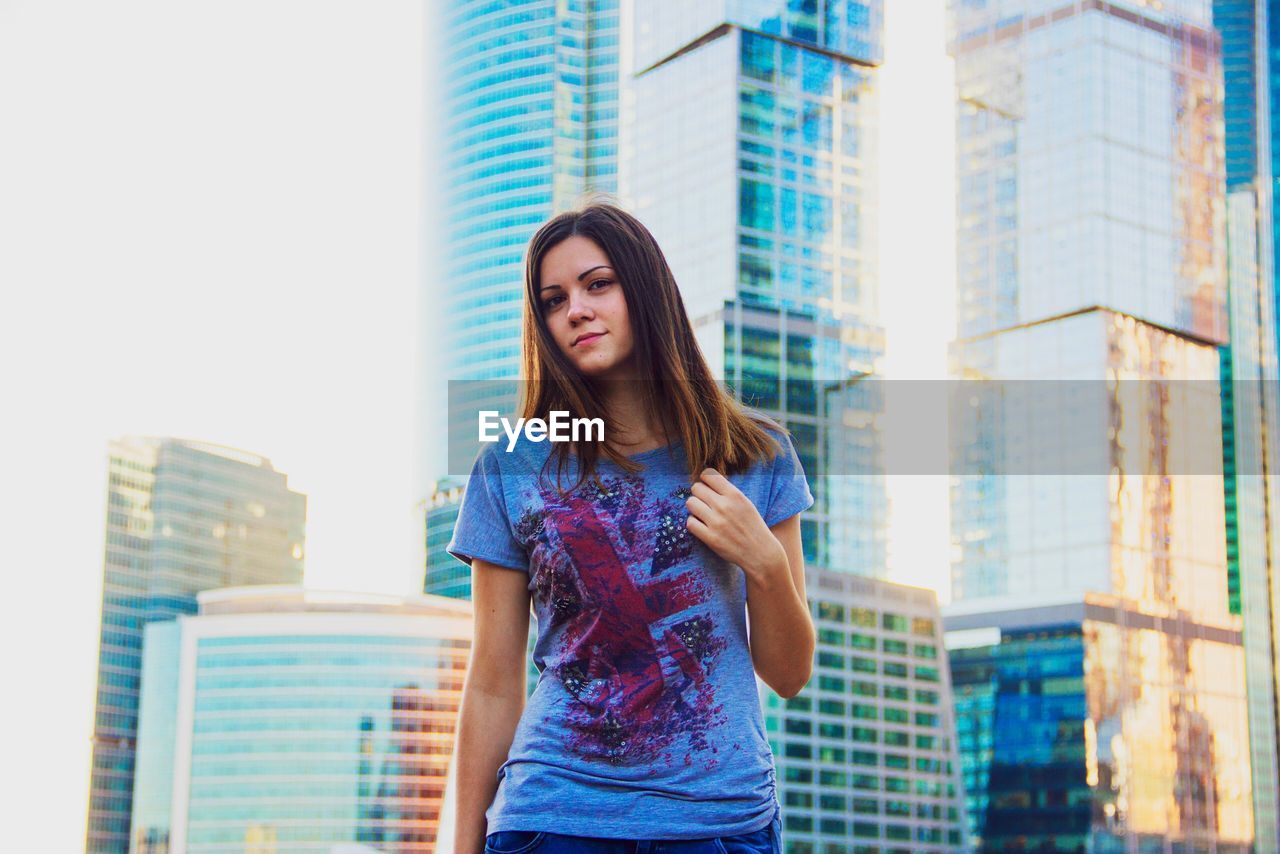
[578,309]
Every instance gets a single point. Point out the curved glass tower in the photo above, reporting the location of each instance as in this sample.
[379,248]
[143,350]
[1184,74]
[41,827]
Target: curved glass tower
[531,123]
[529,104]
[287,719]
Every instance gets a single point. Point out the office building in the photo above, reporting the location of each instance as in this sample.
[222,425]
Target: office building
[866,754]
[764,115]
[1091,277]
[445,574]
[1095,725]
[182,516]
[1249,378]
[530,124]
[278,718]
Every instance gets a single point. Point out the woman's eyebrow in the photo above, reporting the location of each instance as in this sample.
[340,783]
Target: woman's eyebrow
[581,276]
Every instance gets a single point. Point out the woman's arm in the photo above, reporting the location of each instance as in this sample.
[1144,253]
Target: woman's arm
[492,697]
[782,633]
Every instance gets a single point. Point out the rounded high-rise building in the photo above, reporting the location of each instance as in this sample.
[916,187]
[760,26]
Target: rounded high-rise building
[528,104]
[288,719]
[531,117]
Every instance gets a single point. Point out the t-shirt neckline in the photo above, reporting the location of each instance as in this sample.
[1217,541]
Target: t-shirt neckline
[661,449]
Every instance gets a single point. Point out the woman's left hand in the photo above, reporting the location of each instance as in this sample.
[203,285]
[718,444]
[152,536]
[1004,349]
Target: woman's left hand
[723,518]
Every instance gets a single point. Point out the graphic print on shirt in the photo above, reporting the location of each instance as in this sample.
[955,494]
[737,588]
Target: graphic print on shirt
[607,565]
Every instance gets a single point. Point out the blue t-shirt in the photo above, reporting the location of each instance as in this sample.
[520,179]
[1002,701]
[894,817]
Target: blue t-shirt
[646,719]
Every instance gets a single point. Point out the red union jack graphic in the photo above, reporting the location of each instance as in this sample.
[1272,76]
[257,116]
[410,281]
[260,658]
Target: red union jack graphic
[611,574]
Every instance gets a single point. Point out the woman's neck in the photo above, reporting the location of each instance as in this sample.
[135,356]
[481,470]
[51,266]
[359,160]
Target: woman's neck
[636,427]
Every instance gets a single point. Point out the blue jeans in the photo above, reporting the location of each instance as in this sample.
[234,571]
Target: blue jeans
[767,840]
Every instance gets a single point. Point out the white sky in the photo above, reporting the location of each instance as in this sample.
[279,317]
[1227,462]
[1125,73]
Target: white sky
[209,228]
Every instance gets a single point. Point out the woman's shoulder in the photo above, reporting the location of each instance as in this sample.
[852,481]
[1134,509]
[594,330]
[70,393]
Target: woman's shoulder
[774,428]
[504,470]
[514,455]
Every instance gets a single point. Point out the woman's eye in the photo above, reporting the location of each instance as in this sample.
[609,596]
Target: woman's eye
[551,303]
[599,282]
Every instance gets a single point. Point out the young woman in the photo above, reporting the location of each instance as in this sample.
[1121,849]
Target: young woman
[646,558]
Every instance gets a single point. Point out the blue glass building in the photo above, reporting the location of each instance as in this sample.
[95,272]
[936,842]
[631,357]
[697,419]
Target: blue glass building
[765,116]
[278,718]
[445,575]
[531,112]
[182,516]
[1250,35]
[1092,248]
[530,125]
[1020,717]
[1091,726]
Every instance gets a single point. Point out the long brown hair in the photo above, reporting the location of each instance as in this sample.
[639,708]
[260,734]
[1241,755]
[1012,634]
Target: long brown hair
[717,431]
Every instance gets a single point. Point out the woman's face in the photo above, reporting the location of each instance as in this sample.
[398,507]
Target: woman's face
[586,312]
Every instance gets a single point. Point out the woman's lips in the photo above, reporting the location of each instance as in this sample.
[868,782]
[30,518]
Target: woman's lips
[587,339]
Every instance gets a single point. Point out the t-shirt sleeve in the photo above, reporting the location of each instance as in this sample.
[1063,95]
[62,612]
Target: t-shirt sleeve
[789,488]
[484,529]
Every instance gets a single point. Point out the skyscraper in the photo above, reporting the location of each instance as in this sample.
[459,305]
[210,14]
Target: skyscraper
[1251,416]
[866,754]
[1104,703]
[182,517]
[284,718]
[749,150]
[530,124]
[1099,670]
[530,107]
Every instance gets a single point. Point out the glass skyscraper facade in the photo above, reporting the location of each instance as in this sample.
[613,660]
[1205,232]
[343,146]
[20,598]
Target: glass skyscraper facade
[1091,249]
[1151,548]
[1127,519]
[764,115]
[283,719]
[866,754]
[1095,727]
[530,114]
[531,101]
[1089,162]
[1249,372]
[182,517]
[445,575]
[530,107]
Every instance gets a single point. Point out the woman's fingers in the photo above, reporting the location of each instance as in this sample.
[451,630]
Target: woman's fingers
[705,492]
[717,481]
[698,529]
[699,508]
